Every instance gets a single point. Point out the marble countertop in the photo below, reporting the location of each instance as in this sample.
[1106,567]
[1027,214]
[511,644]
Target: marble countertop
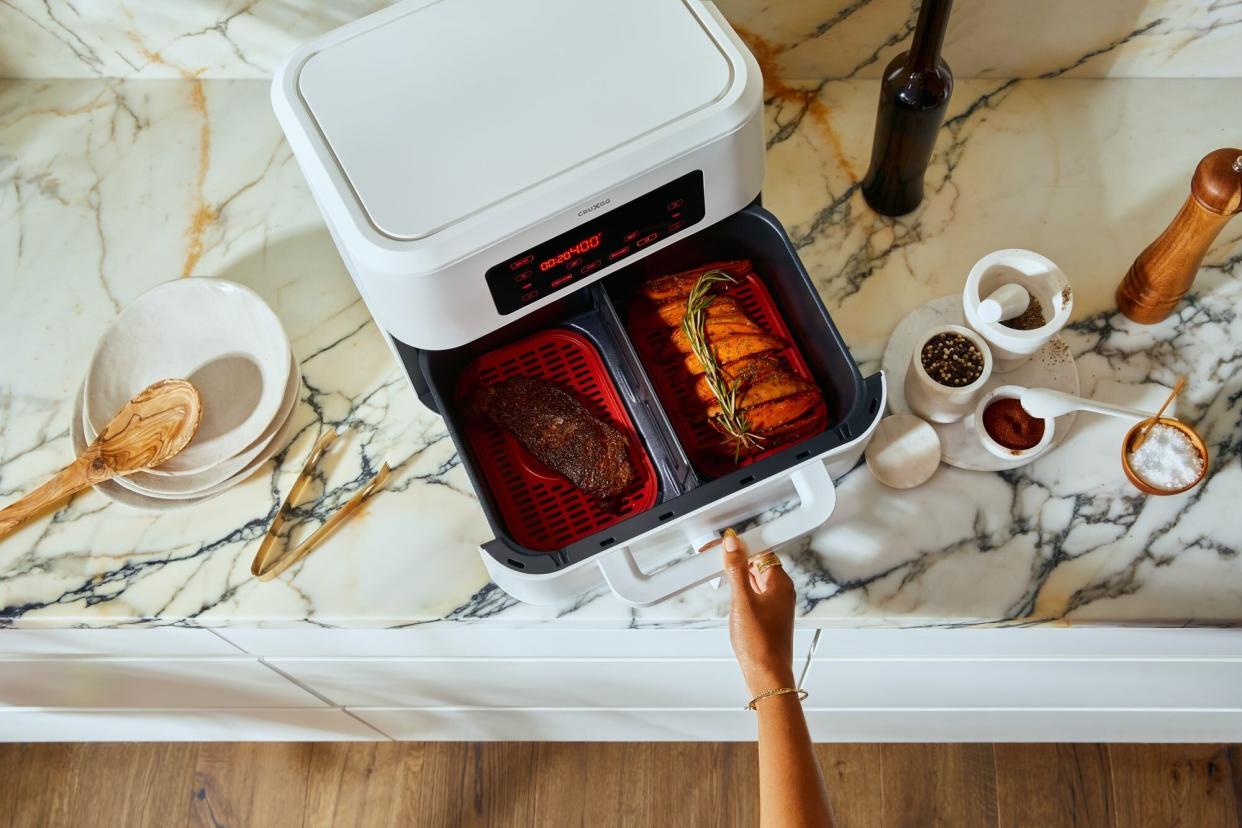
[108,187]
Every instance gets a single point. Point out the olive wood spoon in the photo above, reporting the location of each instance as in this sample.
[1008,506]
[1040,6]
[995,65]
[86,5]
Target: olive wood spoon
[156,424]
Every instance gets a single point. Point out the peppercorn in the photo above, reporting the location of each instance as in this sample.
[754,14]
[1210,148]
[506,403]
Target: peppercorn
[951,359]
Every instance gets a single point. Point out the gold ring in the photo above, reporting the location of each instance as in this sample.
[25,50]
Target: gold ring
[767,561]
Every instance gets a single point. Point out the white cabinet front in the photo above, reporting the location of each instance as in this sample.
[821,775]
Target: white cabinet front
[521,682]
[147,683]
[244,724]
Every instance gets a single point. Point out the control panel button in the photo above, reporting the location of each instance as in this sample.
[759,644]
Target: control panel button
[553,266]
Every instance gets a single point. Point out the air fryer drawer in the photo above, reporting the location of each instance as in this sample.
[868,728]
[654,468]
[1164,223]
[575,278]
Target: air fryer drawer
[596,313]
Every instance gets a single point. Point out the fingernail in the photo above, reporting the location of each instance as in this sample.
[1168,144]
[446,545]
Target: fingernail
[732,542]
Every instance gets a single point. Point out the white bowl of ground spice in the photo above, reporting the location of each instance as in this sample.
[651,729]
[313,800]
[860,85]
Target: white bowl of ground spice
[949,366]
[1013,341]
[1007,430]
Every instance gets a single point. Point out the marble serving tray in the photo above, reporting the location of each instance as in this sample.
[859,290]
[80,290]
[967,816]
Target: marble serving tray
[1052,366]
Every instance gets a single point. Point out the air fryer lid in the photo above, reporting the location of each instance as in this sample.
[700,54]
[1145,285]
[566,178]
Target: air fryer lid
[460,104]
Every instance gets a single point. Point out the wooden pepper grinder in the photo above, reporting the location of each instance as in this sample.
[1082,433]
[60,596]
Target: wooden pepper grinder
[1162,273]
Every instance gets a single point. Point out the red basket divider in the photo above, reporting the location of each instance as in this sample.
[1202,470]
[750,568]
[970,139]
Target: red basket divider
[675,385]
[541,509]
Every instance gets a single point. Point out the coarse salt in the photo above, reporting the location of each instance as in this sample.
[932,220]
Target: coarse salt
[1167,459]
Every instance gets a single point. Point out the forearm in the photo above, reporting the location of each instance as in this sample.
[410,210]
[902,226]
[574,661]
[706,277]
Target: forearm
[791,785]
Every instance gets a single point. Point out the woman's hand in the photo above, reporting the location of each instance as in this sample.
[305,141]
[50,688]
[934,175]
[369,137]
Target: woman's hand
[792,793]
[760,620]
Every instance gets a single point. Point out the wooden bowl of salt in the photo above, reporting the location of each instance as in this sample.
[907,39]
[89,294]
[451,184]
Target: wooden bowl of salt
[1166,462]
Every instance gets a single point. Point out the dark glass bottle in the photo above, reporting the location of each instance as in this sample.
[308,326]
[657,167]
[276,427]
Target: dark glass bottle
[913,98]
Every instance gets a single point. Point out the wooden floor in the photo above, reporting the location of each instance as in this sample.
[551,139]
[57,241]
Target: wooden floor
[597,785]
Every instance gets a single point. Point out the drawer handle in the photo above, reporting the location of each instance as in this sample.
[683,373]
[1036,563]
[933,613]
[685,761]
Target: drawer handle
[818,498]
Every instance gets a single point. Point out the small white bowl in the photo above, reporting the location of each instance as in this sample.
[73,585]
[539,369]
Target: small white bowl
[943,403]
[1041,278]
[190,485]
[1009,392]
[218,335]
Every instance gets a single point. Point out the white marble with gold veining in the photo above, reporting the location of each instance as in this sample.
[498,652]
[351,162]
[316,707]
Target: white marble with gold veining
[1001,38]
[108,187]
[805,39]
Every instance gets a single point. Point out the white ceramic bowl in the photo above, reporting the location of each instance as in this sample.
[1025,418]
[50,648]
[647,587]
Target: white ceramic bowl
[190,485]
[1009,392]
[943,403]
[218,335]
[117,493]
[1041,278]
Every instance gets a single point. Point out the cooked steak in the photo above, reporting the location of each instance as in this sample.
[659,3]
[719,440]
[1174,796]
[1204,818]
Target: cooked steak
[558,430]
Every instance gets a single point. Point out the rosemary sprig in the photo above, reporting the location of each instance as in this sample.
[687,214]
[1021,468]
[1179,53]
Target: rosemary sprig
[730,421]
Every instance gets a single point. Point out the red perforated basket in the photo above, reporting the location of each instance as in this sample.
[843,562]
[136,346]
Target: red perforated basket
[540,508]
[675,385]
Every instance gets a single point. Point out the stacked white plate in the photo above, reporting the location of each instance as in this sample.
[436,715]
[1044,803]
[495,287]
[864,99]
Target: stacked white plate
[225,340]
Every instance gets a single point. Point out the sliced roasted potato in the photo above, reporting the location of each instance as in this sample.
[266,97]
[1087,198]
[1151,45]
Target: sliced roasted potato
[732,348]
[768,390]
[794,428]
[671,313]
[743,372]
[791,431]
[679,285]
[717,329]
[771,416]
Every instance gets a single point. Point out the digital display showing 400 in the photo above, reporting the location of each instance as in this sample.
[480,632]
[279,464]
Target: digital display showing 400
[589,243]
[580,253]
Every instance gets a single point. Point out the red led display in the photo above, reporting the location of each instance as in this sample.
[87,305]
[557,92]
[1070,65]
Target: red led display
[589,243]
[558,264]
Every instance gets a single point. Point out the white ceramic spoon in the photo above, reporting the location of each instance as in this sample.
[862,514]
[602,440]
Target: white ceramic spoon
[1044,402]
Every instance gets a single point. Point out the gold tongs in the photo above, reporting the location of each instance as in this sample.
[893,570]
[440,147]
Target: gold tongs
[264,570]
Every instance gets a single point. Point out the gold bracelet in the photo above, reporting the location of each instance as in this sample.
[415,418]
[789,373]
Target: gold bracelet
[779,691]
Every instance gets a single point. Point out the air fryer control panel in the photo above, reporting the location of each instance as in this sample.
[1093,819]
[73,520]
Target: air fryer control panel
[622,232]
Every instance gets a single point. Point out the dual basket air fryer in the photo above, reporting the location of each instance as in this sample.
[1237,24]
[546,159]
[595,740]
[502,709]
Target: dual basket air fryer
[543,523]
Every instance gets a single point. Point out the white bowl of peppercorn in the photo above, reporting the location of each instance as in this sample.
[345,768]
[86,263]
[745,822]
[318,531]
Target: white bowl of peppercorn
[1007,430]
[948,369]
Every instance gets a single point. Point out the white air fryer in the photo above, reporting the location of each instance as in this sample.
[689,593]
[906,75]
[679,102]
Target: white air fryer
[498,173]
